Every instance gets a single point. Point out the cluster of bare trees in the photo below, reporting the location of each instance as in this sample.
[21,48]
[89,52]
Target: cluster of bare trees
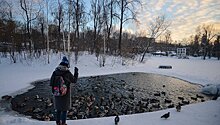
[66,24]
[39,26]
[203,42]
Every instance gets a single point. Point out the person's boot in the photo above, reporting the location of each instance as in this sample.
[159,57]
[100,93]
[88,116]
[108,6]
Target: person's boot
[58,123]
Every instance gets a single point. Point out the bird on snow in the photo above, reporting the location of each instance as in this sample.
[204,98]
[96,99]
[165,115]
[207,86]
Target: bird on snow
[215,98]
[116,120]
[178,107]
[167,115]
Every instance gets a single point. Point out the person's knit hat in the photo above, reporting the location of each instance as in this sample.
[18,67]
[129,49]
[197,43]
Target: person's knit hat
[65,62]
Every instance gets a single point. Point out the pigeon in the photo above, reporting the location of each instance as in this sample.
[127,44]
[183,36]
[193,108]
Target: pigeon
[163,93]
[199,96]
[180,98]
[116,120]
[167,101]
[185,102]
[215,98]
[178,107]
[167,115]
[194,98]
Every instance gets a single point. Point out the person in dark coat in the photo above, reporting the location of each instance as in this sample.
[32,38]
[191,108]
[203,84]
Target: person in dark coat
[63,103]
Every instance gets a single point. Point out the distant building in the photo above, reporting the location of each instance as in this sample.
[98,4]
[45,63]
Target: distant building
[181,53]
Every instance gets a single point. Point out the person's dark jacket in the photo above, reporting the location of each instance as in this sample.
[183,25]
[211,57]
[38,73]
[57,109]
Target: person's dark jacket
[63,103]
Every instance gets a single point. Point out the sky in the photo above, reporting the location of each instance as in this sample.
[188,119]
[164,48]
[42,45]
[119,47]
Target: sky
[185,15]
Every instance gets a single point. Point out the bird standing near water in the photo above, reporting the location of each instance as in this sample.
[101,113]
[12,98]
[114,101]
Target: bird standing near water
[167,115]
[116,120]
[178,107]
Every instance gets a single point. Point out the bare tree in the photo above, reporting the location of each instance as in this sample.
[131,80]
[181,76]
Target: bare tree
[195,45]
[58,14]
[155,28]
[48,43]
[209,31]
[79,20]
[106,27]
[198,32]
[108,17]
[41,22]
[127,13]
[5,10]
[102,14]
[96,14]
[31,12]
[70,10]
[208,35]
[167,36]
[205,34]
[9,29]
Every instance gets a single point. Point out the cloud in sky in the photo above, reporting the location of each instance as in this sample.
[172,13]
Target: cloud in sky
[185,15]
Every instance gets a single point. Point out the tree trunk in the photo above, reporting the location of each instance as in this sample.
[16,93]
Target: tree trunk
[146,50]
[48,44]
[110,25]
[121,25]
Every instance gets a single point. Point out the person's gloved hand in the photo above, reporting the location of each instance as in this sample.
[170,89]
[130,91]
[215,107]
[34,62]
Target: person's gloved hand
[76,74]
[76,70]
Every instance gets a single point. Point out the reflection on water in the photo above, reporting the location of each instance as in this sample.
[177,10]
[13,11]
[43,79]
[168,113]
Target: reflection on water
[149,85]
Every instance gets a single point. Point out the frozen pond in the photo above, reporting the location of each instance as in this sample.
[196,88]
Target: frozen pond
[102,96]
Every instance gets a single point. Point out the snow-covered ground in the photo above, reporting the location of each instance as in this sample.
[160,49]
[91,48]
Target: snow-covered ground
[15,78]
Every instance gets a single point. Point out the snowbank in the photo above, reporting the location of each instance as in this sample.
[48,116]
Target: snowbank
[206,113]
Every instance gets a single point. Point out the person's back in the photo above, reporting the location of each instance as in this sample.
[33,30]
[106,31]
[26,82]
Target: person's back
[62,103]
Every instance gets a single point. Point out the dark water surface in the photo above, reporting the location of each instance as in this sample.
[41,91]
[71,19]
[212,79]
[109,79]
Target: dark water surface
[102,96]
